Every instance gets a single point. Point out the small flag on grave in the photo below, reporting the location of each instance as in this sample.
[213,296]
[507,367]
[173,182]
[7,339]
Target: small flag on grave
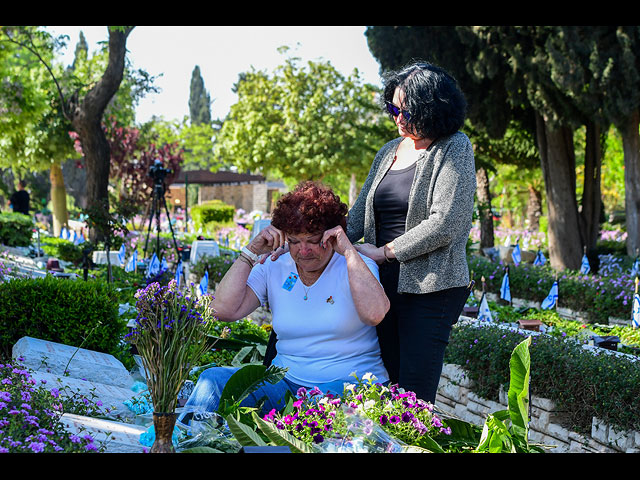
[635,269]
[516,255]
[154,266]
[584,268]
[179,273]
[164,266]
[121,255]
[131,264]
[552,299]
[484,313]
[505,289]
[540,259]
[204,283]
[64,233]
[635,316]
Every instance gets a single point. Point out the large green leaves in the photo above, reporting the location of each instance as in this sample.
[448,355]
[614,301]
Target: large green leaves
[244,382]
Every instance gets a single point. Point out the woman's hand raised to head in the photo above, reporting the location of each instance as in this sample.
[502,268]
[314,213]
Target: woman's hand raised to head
[337,238]
[267,241]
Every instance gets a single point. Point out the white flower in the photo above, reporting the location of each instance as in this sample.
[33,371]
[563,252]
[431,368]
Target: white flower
[350,386]
[369,376]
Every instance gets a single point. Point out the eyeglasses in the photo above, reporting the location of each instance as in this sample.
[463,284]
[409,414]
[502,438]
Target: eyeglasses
[395,111]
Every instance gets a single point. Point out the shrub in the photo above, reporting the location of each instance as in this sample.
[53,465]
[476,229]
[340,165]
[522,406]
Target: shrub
[212,211]
[15,229]
[62,249]
[583,384]
[63,311]
[216,266]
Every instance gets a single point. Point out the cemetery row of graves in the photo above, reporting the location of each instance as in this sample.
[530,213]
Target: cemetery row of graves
[68,292]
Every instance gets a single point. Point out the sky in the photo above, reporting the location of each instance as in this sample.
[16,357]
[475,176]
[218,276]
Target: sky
[222,52]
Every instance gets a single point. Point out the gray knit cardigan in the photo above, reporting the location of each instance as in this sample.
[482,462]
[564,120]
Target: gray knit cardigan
[431,252]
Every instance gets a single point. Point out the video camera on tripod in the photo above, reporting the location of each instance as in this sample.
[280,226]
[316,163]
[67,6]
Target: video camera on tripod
[159,173]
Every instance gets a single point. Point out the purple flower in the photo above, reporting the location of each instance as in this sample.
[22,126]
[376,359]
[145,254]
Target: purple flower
[318,438]
[37,447]
[407,417]
[55,392]
[394,419]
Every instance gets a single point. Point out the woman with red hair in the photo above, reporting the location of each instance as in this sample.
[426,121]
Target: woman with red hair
[325,297]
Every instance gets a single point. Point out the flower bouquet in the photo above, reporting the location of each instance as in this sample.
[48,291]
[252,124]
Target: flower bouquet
[171,334]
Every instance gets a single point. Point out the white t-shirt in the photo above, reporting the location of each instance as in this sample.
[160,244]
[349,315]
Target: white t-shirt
[321,339]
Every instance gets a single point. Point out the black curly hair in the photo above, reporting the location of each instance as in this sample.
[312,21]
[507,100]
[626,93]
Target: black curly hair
[432,97]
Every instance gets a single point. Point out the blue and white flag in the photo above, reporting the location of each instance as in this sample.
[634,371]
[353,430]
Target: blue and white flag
[64,233]
[505,290]
[484,313]
[540,259]
[204,283]
[79,239]
[154,266]
[552,299]
[584,268]
[635,318]
[121,255]
[131,264]
[635,269]
[74,237]
[164,265]
[515,254]
[178,273]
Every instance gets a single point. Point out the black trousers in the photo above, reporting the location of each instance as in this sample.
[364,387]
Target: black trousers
[415,333]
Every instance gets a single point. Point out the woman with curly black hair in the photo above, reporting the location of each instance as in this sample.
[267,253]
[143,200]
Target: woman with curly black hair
[325,297]
[415,213]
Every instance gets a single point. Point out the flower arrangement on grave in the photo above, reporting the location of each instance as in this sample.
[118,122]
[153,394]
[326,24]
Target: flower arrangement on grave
[382,418]
[171,334]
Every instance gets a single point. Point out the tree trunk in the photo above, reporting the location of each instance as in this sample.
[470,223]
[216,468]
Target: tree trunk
[483,193]
[534,209]
[631,149]
[86,118]
[58,198]
[558,170]
[591,195]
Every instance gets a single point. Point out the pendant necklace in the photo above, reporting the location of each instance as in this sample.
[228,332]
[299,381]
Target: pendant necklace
[306,290]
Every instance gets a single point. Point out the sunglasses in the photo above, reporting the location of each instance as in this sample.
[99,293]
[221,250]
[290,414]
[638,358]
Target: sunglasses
[395,111]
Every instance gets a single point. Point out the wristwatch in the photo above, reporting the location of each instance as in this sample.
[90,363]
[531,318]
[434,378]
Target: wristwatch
[254,258]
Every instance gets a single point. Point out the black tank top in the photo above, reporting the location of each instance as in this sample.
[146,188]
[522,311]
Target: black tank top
[390,204]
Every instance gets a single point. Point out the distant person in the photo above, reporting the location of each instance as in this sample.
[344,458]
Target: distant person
[19,200]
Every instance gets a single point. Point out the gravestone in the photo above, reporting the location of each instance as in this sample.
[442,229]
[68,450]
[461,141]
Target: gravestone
[258,226]
[119,437]
[203,247]
[51,357]
[99,257]
[111,396]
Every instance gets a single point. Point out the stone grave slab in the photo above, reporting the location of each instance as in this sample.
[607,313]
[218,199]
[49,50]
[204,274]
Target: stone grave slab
[203,247]
[111,396]
[99,257]
[120,437]
[43,355]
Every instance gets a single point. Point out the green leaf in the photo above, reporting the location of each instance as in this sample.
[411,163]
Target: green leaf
[246,381]
[244,434]
[518,394]
[281,438]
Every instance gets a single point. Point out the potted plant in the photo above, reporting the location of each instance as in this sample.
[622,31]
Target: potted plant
[171,333]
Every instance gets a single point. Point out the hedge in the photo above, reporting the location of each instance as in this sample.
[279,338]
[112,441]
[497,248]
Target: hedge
[63,311]
[15,229]
[215,211]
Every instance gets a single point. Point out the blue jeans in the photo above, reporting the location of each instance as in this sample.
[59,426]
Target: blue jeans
[206,394]
[415,333]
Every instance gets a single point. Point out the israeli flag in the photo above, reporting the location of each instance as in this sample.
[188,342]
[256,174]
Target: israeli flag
[584,268]
[552,299]
[484,313]
[164,265]
[131,264]
[635,319]
[540,259]
[204,283]
[64,233]
[154,266]
[505,290]
[79,239]
[516,255]
[178,273]
[121,255]
[74,237]
[635,270]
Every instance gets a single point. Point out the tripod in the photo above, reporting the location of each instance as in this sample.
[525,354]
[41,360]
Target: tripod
[157,199]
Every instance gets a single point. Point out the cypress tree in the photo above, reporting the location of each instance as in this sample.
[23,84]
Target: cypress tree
[199,100]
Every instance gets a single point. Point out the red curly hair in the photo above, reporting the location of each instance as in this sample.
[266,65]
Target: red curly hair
[310,208]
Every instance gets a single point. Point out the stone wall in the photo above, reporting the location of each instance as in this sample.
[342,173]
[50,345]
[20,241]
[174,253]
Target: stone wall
[456,397]
[249,197]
